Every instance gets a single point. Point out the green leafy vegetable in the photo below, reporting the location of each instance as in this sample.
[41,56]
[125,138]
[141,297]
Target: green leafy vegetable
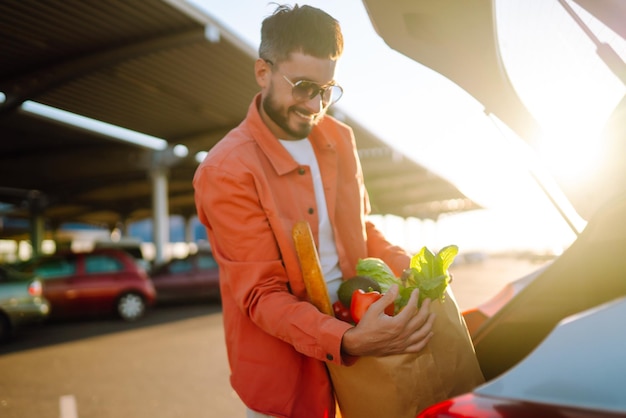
[378,270]
[427,271]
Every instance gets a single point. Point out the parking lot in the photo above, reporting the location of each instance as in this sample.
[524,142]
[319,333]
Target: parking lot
[172,363]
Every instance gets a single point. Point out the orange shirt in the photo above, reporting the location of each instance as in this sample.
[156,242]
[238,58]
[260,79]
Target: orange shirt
[249,193]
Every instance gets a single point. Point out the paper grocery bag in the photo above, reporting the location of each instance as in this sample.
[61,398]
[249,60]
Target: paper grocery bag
[402,385]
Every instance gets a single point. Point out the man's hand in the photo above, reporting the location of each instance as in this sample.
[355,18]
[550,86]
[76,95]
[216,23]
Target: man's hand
[378,334]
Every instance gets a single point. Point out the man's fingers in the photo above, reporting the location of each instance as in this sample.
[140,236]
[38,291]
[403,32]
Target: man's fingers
[420,344]
[424,310]
[387,299]
[422,334]
[411,306]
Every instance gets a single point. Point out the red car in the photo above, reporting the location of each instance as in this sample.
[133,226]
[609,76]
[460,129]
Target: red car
[577,371]
[192,278]
[551,344]
[101,282]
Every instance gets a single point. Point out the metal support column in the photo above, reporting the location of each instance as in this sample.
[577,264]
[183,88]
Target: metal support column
[161,228]
[37,232]
[190,236]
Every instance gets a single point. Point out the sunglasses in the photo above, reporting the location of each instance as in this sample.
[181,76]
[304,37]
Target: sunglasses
[303,90]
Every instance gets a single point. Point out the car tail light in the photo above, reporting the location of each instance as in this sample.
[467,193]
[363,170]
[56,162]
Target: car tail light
[464,406]
[477,406]
[35,288]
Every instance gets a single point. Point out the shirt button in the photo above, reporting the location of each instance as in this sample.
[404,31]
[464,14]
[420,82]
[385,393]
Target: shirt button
[311,211]
[301,171]
[329,357]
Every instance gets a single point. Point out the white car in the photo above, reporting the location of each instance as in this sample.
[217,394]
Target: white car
[21,301]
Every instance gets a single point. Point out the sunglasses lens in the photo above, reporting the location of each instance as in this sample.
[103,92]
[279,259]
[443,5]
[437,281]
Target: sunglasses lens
[331,95]
[305,90]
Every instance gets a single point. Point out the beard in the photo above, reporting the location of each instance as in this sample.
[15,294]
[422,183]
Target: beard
[280,116]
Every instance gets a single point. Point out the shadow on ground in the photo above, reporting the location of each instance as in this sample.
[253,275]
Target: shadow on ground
[57,332]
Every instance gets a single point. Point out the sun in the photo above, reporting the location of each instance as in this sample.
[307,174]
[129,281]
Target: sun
[570,151]
[561,78]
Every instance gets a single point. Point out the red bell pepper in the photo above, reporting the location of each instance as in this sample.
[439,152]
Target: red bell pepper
[361,301]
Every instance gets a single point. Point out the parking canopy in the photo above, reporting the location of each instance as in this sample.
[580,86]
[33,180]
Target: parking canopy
[157,67]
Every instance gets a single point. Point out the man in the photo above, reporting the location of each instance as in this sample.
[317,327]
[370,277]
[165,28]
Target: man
[289,161]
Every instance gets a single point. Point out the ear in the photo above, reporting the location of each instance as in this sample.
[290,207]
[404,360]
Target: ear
[262,72]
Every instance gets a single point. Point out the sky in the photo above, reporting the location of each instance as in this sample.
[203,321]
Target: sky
[430,119]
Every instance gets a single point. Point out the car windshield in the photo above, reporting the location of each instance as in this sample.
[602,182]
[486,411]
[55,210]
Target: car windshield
[601,388]
[57,267]
[102,264]
[180,266]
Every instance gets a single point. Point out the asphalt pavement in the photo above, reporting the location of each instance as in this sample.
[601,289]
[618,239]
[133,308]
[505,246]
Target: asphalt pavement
[170,364]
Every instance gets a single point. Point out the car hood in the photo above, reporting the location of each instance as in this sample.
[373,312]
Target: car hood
[458,39]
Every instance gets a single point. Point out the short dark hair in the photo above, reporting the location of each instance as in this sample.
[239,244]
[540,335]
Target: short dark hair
[304,29]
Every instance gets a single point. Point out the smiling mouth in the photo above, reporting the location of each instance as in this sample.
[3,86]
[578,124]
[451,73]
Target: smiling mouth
[305,115]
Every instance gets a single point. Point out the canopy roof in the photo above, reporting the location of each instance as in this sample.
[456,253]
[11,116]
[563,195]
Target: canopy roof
[156,67]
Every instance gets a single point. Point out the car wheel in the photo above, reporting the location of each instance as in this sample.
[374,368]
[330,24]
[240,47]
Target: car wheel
[5,328]
[131,306]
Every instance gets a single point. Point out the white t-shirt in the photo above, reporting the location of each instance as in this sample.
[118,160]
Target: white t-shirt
[302,151]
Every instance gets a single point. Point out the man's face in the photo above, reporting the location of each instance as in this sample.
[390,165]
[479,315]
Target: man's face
[287,117]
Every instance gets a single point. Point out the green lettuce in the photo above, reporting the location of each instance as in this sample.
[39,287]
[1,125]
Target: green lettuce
[378,270]
[427,272]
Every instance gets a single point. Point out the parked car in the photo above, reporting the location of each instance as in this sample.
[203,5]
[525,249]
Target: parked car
[100,282]
[552,343]
[194,277]
[131,246]
[21,301]
[577,371]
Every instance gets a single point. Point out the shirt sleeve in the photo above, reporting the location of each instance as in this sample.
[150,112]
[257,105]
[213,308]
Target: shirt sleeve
[252,269]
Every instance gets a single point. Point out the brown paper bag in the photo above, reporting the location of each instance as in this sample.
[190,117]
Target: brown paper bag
[402,385]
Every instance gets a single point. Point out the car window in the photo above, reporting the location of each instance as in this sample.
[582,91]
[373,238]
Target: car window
[56,268]
[102,264]
[206,262]
[181,266]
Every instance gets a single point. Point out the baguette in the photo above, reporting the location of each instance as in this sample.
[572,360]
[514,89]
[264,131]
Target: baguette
[311,268]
